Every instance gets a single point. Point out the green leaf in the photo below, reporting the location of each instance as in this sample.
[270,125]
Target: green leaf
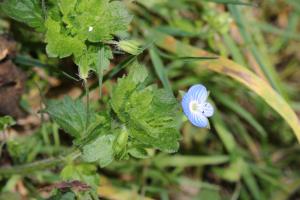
[155,123]
[120,95]
[99,20]
[101,60]
[63,196]
[66,6]
[82,172]
[26,11]
[150,114]
[60,44]
[126,86]
[78,22]
[138,73]
[138,152]
[132,47]
[23,149]
[120,144]
[5,122]
[94,58]
[100,150]
[94,20]
[69,114]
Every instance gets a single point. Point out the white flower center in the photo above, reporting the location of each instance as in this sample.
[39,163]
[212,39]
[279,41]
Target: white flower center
[91,28]
[195,107]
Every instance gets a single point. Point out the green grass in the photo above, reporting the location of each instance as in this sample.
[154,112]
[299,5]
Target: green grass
[246,54]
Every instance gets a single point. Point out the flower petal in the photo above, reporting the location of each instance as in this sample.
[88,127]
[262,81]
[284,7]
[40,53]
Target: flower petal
[185,103]
[198,93]
[199,120]
[208,109]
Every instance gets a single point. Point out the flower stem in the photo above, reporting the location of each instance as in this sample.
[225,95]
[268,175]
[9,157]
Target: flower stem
[87,93]
[37,166]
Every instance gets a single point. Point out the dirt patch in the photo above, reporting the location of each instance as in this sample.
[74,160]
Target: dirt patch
[12,80]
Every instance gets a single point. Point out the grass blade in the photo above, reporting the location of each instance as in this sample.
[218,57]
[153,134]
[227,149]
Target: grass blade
[159,68]
[224,134]
[189,161]
[237,72]
[235,2]
[231,104]
[267,69]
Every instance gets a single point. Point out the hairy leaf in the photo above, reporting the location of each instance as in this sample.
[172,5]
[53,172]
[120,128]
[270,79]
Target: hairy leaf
[77,24]
[150,114]
[69,114]
[99,20]
[66,6]
[60,44]
[120,95]
[153,122]
[95,58]
[138,152]
[120,144]
[26,11]
[100,150]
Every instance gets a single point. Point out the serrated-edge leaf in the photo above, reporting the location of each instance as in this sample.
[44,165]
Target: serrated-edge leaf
[69,114]
[100,150]
[26,11]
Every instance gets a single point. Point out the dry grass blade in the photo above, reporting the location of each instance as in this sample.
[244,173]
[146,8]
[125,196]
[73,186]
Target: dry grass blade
[108,191]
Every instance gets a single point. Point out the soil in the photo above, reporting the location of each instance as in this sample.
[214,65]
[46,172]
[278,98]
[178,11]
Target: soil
[12,80]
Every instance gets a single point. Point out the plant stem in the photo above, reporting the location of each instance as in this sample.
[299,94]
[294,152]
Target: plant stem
[36,166]
[87,94]
[100,79]
[112,72]
[44,9]
[55,135]
[100,70]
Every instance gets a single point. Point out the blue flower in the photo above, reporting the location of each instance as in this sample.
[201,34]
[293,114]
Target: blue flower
[195,106]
